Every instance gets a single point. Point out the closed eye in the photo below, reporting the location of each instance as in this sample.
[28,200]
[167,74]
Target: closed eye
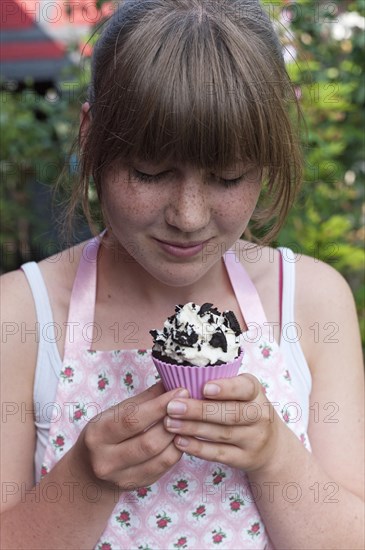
[232,182]
[153,178]
[149,178]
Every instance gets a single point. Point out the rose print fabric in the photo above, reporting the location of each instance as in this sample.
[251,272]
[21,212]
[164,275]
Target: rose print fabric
[197,504]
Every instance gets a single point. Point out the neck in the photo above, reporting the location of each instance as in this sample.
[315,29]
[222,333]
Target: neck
[120,275]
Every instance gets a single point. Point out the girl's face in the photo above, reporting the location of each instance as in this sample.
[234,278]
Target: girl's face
[176,221]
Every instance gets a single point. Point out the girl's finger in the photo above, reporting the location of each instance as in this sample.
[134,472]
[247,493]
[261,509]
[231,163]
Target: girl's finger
[135,451]
[148,472]
[232,435]
[244,387]
[211,451]
[227,413]
[134,415]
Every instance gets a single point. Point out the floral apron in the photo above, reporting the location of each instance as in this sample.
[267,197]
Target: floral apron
[197,504]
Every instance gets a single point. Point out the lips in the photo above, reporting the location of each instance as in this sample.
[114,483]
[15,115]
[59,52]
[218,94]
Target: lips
[182,250]
[183,245]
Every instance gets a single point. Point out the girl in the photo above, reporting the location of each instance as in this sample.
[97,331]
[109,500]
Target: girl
[187,136]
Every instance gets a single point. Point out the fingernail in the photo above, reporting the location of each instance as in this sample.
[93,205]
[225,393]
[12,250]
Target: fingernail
[182,393]
[211,389]
[176,407]
[173,423]
[182,442]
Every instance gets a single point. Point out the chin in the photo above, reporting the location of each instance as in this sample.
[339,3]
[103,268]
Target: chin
[179,277]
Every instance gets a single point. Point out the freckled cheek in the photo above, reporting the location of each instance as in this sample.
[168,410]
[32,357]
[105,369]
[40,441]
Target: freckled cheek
[237,208]
[132,207]
[136,213]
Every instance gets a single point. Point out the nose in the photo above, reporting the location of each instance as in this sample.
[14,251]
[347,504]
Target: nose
[188,209]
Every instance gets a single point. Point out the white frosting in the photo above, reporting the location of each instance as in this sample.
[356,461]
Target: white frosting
[206,339]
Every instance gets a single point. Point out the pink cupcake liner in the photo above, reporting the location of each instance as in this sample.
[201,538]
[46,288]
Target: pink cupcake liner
[192,377]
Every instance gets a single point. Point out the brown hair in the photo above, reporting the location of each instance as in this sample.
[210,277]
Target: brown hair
[196,81]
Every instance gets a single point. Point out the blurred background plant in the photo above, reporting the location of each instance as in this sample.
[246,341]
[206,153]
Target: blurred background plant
[328,219]
[325,49]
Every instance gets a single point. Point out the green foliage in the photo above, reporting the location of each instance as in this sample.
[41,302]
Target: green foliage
[328,220]
[36,135]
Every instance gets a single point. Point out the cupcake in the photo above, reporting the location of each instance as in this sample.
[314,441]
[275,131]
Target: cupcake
[197,344]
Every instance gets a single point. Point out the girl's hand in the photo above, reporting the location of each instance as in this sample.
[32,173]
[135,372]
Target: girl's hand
[127,445]
[238,426]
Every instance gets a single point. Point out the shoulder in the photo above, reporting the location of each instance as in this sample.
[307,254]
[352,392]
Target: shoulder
[18,321]
[326,310]
[58,272]
[63,265]
[321,284]
[317,283]
[17,304]
[324,305]
[321,290]
[18,311]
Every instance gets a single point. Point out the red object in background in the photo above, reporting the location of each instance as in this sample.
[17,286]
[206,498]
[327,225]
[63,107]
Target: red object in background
[26,50]
[35,35]
[13,17]
[42,49]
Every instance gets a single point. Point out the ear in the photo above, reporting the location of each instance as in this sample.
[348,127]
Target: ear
[85,119]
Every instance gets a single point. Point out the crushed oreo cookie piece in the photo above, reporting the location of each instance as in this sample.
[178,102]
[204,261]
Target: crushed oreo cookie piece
[204,309]
[185,339]
[218,340]
[233,323]
[154,334]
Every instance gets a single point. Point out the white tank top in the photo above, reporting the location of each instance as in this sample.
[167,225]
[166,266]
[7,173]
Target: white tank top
[49,363]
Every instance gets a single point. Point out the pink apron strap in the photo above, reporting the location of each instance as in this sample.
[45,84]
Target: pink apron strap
[80,323]
[281,283]
[245,291]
